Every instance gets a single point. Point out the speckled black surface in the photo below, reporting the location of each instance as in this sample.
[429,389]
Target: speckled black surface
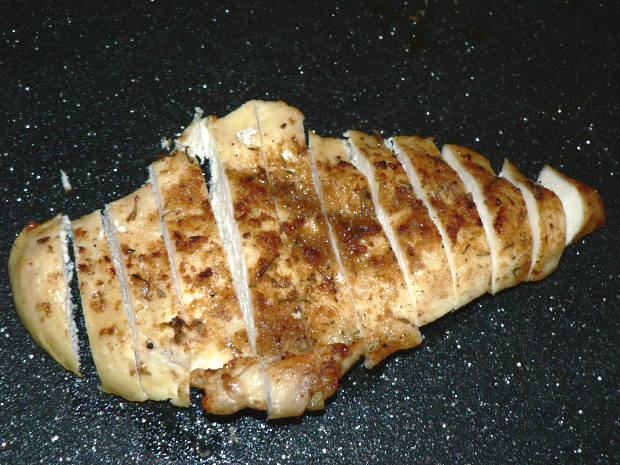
[528,376]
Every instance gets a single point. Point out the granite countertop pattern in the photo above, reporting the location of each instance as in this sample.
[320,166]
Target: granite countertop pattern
[528,376]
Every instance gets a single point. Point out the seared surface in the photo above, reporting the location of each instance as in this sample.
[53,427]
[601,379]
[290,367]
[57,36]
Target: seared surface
[215,330]
[426,266]
[503,213]
[162,350]
[456,214]
[547,221]
[330,319]
[376,282]
[282,338]
[329,313]
[277,311]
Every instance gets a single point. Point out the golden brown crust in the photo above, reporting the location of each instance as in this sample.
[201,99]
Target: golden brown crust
[276,289]
[510,233]
[215,330]
[374,277]
[548,228]
[163,354]
[326,303]
[426,264]
[277,310]
[334,361]
[40,290]
[327,307]
[457,214]
[109,331]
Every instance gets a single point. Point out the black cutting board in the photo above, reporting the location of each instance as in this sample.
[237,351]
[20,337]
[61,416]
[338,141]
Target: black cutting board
[528,376]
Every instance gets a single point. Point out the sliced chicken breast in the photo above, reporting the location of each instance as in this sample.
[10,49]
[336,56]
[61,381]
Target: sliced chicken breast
[274,304]
[405,219]
[40,272]
[140,255]
[454,213]
[547,222]
[374,278]
[240,383]
[109,330]
[330,318]
[215,329]
[503,213]
[582,205]
[266,289]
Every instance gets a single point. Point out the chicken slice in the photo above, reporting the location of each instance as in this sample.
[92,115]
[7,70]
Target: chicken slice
[40,272]
[240,383]
[141,261]
[405,219]
[371,270]
[107,323]
[215,328]
[547,222]
[330,318]
[582,205]
[261,262]
[454,212]
[503,213]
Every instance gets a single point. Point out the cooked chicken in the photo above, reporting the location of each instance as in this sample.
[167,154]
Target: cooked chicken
[329,313]
[384,307]
[108,325]
[237,385]
[326,305]
[265,290]
[214,326]
[40,272]
[406,221]
[582,204]
[547,222]
[454,212]
[503,214]
[275,305]
[141,262]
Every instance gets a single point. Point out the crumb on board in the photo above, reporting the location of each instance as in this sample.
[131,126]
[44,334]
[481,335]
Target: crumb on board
[66,185]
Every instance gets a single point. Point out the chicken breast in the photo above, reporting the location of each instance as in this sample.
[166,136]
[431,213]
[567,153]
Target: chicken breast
[141,261]
[40,272]
[108,325]
[266,289]
[503,213]
[405,219]
[547,222]
[380,296]
[454,213]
